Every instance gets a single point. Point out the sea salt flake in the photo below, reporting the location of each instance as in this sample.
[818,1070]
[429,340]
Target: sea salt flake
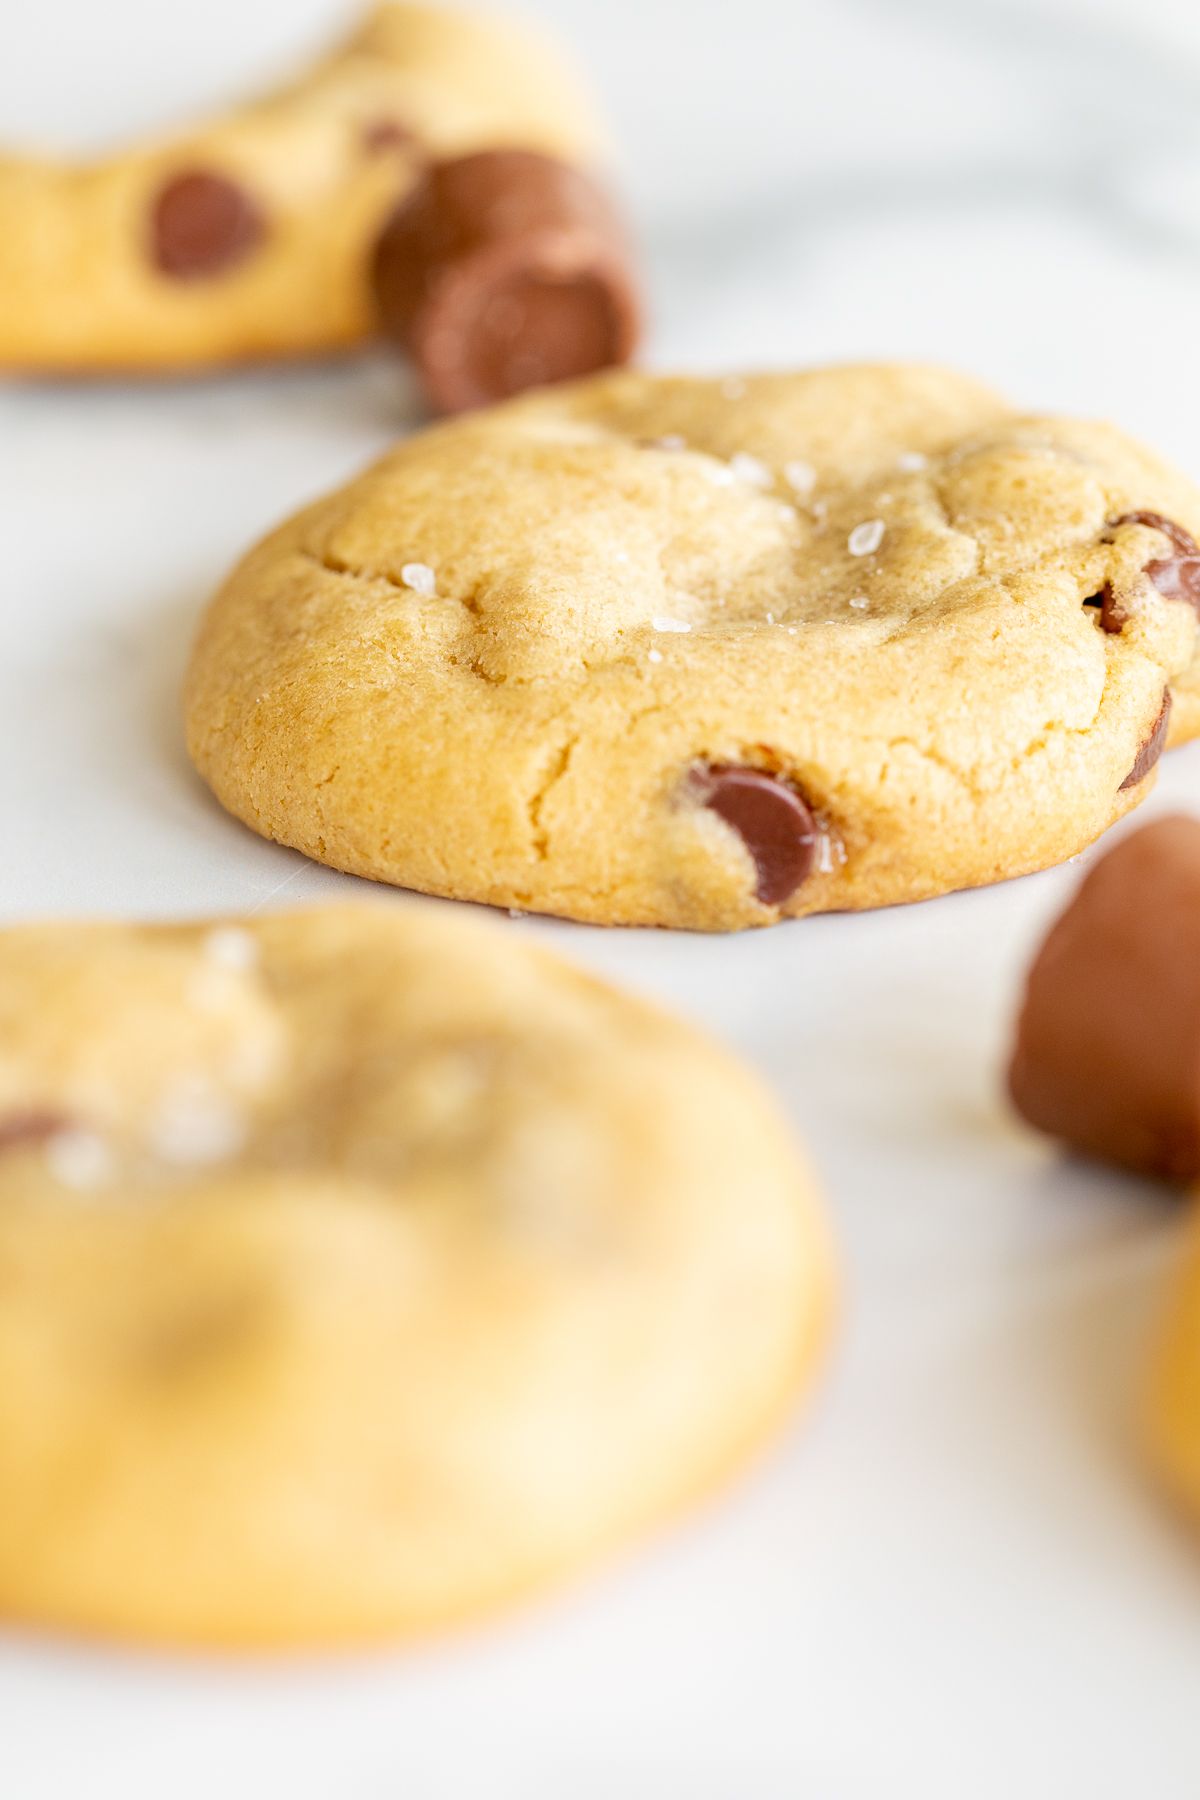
[721,474]
[662,624]
[866,538]
[671,441]
[859,602]
[654,656]
[196,1127]
[229,947]
[78,1158]
[912,460]
[420,578]
[751,469]
[801,477]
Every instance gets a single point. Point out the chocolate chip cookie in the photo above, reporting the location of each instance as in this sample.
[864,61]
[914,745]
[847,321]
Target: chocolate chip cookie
[709,653]
[291,226]
[359,1274]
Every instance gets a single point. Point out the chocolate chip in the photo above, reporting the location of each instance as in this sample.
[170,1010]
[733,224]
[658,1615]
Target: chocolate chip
[1182,539]
[1153,746]
[777,827]
[33,1127]
[1113,614]
[382,135]
[202,225]
[1175,577]
[504,270]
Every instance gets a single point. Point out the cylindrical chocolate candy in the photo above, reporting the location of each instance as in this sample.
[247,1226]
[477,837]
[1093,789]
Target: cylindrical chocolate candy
[502,271]
[1108,1046]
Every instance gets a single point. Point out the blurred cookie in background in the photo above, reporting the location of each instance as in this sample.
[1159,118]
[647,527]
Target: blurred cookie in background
[436,176]
[361,1272]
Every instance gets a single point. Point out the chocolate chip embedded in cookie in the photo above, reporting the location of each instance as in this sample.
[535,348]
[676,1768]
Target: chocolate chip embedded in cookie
[704,653]
[772,821]
[1153,746]
[502,271]
[1175,577]
[496,1269]
[1107,1055]
[203,225]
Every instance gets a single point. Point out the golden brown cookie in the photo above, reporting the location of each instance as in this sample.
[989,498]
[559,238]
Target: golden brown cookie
[708,653]
[361,1271]
[255,235]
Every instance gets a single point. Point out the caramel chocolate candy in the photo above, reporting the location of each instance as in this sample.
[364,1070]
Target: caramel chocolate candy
[776,825]
[502,271]
[202,225]
[1108,1045]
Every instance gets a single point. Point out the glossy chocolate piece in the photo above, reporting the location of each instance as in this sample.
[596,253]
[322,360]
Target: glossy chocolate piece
[203,225]
[1153,745]
[1176,577]
[502,271]
[1108,1045]
[776,825]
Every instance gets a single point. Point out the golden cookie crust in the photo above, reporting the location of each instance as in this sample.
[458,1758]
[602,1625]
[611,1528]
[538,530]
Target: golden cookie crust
[319,165]
[495,664]
[361,1271]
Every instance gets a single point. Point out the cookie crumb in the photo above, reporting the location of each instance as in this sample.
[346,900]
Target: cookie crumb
[866,538]
[733,387]
[420,578]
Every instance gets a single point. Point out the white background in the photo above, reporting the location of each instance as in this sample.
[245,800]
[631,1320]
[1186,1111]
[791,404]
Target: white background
[950,1580]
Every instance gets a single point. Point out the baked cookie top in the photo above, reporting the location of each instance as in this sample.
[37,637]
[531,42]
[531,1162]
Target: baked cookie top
[250,235]
[360,1272]
[708,652]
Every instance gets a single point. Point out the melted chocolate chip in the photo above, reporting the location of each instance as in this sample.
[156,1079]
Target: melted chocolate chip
[777,827]
[382,135]
[33,1127]
[1176,577]
[1180,537]
[1154,745]
[203,225]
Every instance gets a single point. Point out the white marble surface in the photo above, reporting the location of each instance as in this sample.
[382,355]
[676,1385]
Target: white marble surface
[951,1580]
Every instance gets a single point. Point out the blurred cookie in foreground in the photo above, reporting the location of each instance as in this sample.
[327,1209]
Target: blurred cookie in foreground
[706,652]
[1172,1402]
[361,1272]
[1108,1044]
[259,233]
